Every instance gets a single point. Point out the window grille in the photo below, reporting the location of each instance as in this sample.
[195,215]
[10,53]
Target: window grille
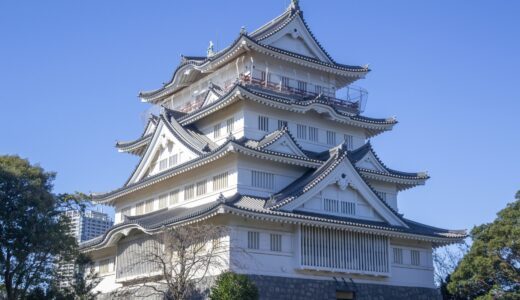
[104,266]
[262,180]
[216,131]
[230,125]
[139,208]
[416,257]
[338,250]
[220,181]
[302,86]
[163,201]
[282,124]
[263,123]
[201,187]
[149,206]
[276,242]
[313,134]
[398,255]
[301,131]
[318,89]
[348,208]
[134,257]
[163,164]
[253,240]
[382,195]
[349,141]
[174,197]
[331,138]
[285,82]
[172,161]
[189,192]
[127,211]
[331,205]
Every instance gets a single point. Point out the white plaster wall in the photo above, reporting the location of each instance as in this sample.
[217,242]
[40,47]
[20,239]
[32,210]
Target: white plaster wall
[207,125]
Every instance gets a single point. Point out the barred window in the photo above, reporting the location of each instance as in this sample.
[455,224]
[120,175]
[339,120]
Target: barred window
[149,206]
[382,195]
[349,140]
[301,131]
[302,86]
[127,211]
[220,181]
[285,82]
[216,131]
[331,137]
[189,192]
[416,257]
[163,201]
[163,164]
[263,123]
[348,208]
[253,240]
[104,266]
[313,134]
[174,197]
[201,187]
[139,208]
[276,242]
[230,125]
[172,161]
[398,255]
[262,180]
[318,89]
[282,124]
[331,205]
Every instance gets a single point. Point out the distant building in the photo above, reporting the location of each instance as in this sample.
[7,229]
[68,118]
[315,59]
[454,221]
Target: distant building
[84,226]
[268,137]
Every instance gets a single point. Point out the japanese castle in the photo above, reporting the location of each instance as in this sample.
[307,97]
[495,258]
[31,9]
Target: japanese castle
[268,137]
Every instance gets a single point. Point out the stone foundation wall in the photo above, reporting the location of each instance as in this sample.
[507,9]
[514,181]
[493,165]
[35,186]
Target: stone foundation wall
[285,288]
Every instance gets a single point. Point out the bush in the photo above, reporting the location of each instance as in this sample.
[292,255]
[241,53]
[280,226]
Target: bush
[231,286]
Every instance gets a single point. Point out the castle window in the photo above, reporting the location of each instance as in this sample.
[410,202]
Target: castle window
[262,180]
[149,206]
[104,266]
[172,161]
[349,140]
[398,255]
[139,208]
[331,205]
[285,82]
[127,211]
[189,192]
[163,164]
[163,201]
[220,181]
[263,123]
[302,86]
[301,131]
[276,242]
[415,257]
[318,89]
[216,131]
[313,134]
[331,138]
[382,195]
[253,240]
[174,197]
[230,125]
[282,124]
[348,208]
[201,187]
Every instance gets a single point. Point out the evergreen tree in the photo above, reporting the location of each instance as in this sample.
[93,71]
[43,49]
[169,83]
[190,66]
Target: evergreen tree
[491,269]
[231,286]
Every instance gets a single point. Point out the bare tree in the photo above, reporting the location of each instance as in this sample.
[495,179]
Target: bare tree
[177,260]
[446,259]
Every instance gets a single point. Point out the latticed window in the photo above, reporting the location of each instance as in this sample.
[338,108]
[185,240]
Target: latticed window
[202,187]
[220,181]
[253,240]
[416,257]
[348,208]
[331,205]
[398,255]
[331,138]
[276,242]
[104,266]
[331,249]
[127,211]
[263,123]
[313,134]
[282,124]
[285,82]
[302,86]
[135,257]
[172,161]
[382,195]
[301,131]
[174,197]
[230,125]
[163,201]
[139,208]
[318,89]
[262,180]
[149,206]
[216,131]
[349,141]
[163,164]
[189,192]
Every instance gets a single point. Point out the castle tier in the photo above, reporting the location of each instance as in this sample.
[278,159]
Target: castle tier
[267,137]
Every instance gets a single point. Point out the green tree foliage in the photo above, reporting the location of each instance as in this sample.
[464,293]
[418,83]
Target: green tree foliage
[32,232]
[231,286]
[491,269]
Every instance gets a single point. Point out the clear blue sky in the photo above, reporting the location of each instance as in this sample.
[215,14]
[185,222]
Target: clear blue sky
[70,72]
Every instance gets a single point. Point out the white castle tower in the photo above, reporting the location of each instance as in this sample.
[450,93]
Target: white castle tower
[268,137]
